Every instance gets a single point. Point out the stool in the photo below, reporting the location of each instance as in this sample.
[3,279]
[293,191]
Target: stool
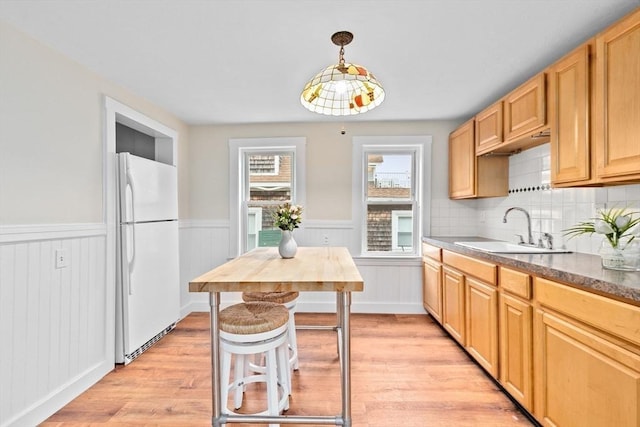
[289,300]
[255,328]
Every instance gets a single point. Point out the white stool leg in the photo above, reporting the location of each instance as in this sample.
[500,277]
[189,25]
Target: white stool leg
[293,341]
[224,380]
[284,371]
[272,384]
[239,373]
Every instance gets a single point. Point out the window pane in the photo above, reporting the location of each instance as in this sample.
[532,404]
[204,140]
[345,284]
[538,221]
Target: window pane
[380,227]
[389,176]
[270,177]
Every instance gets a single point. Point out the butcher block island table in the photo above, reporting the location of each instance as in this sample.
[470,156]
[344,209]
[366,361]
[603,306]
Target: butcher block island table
[317,269]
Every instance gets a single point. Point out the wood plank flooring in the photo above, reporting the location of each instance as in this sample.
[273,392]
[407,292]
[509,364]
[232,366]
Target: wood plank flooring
[405,372]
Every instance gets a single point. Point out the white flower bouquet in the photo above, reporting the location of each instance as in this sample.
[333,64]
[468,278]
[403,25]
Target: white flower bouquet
[287,216]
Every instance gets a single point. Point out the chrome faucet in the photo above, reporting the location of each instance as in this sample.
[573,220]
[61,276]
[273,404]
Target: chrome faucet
[530,236]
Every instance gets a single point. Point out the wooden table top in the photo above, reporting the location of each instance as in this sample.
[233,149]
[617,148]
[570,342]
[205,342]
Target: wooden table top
[263,270]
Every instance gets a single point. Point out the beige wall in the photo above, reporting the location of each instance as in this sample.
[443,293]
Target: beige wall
[328,162]
[51,135]
[51,145]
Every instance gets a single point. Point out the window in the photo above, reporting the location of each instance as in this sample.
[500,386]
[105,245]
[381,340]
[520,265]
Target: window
[265,172]
[268,183]
[388,193]
[402,231]
[254,226]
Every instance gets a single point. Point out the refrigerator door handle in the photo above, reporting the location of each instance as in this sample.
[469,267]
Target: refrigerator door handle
[133,229]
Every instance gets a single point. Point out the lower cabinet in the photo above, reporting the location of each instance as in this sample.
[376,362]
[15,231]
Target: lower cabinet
[470,307]
[432,288]
[453,303]
[516,355]
[481,310]
[571,358]
[587,374]
[516,335]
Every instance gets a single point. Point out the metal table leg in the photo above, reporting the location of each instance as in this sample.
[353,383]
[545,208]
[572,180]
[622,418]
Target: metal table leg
[214,304]
[345,367]
[344,345]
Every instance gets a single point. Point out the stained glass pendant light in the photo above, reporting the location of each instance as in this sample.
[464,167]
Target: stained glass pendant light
[342,89]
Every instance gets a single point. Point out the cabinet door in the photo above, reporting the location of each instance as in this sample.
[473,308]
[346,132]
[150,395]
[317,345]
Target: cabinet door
[569,112]
[582,379]
[516,326]
[432,289]
[462,162]
[481,310]
[617,103]
[489,129]
[453,303]
[525,108]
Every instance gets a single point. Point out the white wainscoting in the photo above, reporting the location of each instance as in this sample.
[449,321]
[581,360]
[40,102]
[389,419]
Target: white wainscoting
[57,324]
[54,322]
[391,285]
[203,246]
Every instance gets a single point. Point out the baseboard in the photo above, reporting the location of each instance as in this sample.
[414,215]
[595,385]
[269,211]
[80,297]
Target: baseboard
[50,404]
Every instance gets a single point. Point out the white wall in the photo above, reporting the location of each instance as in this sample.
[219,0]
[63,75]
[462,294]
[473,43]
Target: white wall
[51,135]
[56,325]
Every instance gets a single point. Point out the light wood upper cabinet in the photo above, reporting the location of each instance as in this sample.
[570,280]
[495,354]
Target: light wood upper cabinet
[617,101]
[471,176]
[569,119]
[489,129]
[462,162]
[525,109]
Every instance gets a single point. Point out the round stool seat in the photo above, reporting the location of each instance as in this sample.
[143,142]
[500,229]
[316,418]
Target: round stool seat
[255,328]
[253,317]
[277,297]
[288,300]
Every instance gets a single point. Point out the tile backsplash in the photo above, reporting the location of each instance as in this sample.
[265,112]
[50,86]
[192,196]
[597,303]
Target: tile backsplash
[551,210]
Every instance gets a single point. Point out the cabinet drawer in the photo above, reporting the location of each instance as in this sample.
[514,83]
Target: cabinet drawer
[432,252]
[482,270]
[515,282]
[614,317]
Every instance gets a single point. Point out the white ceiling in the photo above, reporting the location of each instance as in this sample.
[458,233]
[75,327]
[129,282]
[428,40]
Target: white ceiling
[246,61]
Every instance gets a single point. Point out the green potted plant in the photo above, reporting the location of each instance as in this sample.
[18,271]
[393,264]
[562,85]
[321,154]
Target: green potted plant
[619,249]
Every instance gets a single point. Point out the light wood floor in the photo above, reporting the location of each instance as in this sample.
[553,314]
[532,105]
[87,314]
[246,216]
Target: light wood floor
[405,372]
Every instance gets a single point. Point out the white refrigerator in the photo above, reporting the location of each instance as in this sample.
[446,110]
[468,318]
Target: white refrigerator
[148,288]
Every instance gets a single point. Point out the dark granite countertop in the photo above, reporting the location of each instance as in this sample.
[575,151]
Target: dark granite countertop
[583,271]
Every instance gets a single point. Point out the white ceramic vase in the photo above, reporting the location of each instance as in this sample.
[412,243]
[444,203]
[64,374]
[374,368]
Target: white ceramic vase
[288,246]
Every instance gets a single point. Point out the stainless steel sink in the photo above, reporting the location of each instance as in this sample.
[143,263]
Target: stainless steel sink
[509,248]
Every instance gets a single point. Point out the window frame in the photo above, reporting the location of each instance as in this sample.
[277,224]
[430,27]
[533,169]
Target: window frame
[420,148]
[239,177]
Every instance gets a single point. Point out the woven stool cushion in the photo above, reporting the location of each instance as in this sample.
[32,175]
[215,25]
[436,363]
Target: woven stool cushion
[277,297]
[253,317]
